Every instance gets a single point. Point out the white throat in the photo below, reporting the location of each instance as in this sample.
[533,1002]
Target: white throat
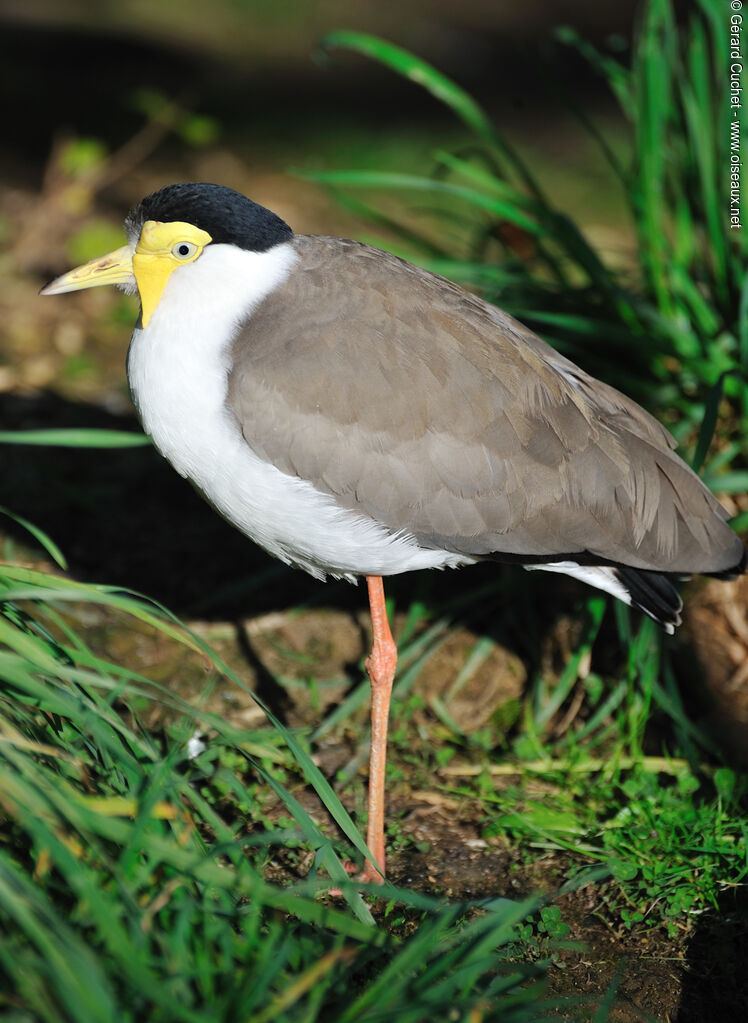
[191,329]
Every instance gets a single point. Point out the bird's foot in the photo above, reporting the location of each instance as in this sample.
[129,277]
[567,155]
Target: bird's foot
[368,875]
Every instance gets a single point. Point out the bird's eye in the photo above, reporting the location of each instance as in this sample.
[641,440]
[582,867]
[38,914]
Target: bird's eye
[184,250]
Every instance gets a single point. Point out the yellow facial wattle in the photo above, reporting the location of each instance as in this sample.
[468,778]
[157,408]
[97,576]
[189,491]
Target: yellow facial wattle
[160,250]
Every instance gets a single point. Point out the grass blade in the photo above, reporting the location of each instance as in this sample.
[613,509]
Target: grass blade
[72,438]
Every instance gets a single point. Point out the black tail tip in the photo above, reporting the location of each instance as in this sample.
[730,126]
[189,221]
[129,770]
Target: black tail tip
[654,594]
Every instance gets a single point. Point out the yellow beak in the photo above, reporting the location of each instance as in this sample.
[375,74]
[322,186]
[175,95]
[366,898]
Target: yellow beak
[114,268]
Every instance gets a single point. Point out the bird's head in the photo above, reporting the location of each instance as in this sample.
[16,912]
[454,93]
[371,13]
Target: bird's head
[169,229]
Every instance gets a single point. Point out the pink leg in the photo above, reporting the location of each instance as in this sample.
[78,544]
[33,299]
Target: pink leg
[380,665]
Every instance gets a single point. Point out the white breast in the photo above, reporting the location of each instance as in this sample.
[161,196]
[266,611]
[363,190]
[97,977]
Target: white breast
[178,372]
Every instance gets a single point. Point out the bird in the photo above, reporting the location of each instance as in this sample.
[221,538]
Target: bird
[359,417]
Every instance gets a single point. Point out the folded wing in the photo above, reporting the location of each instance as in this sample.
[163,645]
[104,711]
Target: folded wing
[435,413]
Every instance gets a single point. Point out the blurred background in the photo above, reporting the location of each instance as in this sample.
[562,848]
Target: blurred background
[257,99]
[248,68]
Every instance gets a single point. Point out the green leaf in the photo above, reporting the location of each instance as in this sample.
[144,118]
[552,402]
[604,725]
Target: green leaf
[80,157]
[709,422]
[47,543]
[501,208]
[441,87]
[418,71]
[724,782]
[622,870]
[76,438]
[728,483]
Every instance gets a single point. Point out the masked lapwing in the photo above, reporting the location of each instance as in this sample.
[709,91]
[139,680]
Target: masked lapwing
[359,417]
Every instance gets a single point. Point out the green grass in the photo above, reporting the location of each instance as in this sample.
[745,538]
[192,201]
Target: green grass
[128,890]
[134,879]
[673,840]
[670,830]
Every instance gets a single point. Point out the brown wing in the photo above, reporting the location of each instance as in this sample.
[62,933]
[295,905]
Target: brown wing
[434,412]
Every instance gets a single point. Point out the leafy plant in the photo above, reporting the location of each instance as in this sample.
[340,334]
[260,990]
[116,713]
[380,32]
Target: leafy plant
[674,843]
